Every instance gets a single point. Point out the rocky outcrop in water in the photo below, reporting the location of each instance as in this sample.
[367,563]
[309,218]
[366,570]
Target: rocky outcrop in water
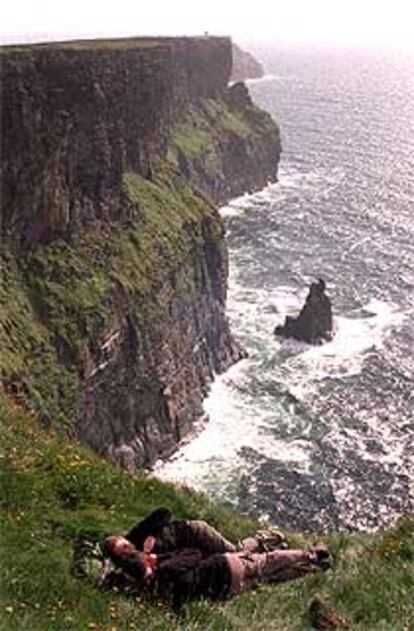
[245,65]
[314,323]
[113,259]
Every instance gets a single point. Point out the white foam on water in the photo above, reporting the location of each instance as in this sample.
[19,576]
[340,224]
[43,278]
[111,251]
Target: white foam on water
[252,313]
[216,452]
[290,179]
[265,79]
[249,201]
[285,299]
[235,207]
[242,407]
[255,313]
[357,334]
[344,355]
[240,432]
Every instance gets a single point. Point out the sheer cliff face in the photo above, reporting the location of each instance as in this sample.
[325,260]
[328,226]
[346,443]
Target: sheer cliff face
[113,267]
[146,377]
[75,117]
[116,333]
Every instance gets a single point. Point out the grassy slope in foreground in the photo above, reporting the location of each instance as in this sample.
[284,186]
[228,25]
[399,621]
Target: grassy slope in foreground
[54,490]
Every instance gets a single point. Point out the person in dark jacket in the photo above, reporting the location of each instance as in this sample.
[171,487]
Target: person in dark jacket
[183,575]
[160,533]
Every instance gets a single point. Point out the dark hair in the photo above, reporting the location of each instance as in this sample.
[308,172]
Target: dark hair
[131,561]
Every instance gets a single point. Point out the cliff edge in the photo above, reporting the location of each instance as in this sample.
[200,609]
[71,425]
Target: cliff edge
[113,263]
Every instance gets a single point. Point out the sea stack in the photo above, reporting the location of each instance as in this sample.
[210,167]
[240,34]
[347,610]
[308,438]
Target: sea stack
[314,324]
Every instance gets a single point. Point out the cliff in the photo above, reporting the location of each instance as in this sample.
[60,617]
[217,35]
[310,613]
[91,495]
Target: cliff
[76,116]
[113,258]
[226,145]
[245,65]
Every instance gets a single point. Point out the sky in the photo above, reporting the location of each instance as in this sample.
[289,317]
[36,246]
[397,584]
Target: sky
[371,23]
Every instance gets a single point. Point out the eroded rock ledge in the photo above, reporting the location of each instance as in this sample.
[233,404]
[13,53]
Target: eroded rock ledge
[113,258]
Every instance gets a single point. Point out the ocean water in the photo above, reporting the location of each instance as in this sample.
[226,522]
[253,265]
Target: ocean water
[321,437]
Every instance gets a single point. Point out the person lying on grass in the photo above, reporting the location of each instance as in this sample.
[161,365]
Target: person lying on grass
[160,533]
[187,573]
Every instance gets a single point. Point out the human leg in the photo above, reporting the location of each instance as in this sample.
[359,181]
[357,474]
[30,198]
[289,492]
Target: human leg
[283,565]
[200,535]
[250,570]
[264,540]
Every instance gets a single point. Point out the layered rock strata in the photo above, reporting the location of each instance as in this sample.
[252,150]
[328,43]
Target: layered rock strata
[113,263]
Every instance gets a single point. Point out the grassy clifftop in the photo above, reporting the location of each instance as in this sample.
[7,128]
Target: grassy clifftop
[54,491]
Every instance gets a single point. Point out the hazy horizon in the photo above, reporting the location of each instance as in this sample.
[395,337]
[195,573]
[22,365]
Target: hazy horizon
[321,23]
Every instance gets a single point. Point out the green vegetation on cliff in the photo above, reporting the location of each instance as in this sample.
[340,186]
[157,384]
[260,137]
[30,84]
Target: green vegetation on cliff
[205,124]
[96,285]
[53,492]
[59,305]
[226,145]
[203,128]
[59,299]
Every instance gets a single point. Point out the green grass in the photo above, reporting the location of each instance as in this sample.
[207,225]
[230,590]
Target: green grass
[201,130]
[54,491]
[200,140]
[192,140]
[29,363]
[101,44]
[218,112]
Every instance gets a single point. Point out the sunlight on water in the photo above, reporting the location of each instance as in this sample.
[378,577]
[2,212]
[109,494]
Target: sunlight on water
[321,437]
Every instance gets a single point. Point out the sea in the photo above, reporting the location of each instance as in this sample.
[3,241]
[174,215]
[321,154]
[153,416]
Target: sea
[321,437]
